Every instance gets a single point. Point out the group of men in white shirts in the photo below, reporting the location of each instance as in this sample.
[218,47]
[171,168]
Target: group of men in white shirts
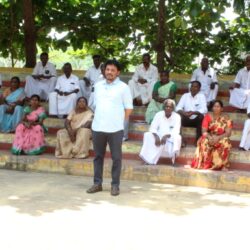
[163,141]
[62,93]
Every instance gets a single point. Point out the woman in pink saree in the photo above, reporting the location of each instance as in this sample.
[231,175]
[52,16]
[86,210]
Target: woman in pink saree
[29,136]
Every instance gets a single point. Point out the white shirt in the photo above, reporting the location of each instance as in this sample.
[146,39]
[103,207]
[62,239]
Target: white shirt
[111,100]
[205,79]
[243,78]
[190,103]
[48,70]
[67,84]
[151,74]
[161,125]
[93,74]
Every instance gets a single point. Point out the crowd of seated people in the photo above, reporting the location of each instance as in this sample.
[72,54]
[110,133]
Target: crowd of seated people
[68,98]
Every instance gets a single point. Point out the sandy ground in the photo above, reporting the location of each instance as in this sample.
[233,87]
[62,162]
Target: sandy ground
[53,212]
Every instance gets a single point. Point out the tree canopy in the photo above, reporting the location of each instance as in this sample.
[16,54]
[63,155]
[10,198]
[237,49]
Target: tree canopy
[123,29]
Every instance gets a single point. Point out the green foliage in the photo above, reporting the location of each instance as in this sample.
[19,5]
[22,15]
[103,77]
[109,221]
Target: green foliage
[123,29]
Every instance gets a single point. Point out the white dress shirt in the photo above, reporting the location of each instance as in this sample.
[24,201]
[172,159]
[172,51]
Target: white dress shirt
[161,125]
[111,100]
[205,79]
[47,70]
[93,74]
[67,84]
[243,78]
[190,103]
[151,74]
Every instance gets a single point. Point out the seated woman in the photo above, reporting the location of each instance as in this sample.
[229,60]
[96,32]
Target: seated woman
[74,140]
[163,89]
[29,136]
[11,106]
[213,148]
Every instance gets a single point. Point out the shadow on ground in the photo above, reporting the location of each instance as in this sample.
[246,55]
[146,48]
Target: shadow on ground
[36,194]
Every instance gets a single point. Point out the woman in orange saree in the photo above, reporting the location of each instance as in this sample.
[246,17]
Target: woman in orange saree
[213,148]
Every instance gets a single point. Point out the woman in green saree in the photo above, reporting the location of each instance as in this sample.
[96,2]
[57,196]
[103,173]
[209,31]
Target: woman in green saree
[163,89]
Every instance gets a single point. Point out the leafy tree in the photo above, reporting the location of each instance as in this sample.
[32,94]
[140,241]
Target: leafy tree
[174,31]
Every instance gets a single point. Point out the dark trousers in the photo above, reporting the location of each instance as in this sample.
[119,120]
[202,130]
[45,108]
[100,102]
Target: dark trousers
[194,123]
[100,141]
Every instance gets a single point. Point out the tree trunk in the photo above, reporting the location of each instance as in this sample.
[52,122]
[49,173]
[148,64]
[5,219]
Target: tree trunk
[29,34]
[12,34]
[160,44]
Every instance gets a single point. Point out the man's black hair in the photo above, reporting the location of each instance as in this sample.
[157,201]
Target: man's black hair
[44,54]
[199,83]
[113,62]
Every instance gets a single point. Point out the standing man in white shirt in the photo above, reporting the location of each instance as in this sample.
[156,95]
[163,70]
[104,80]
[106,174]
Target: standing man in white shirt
[43,79]
[163,138]
[240,90]
[192,107]
[91,77]
[142,83]
[208,79]
[113,104]
[63,99]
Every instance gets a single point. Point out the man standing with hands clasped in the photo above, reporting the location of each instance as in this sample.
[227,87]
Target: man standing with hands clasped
[113,104]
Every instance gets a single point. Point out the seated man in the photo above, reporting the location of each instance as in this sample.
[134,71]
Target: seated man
[245,138]
[43,79]
[11,106]
[192,107]
[208,79]
[163,138]
[142,83]
[63,99]
[163,90]
[91,77]
[91,97]
[240,90]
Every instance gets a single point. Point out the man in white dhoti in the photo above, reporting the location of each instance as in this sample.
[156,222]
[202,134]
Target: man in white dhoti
[63,99]
[142,83]
[208,79]
[91,77]
[163,138]
[240,90]
[245,138]
[43,79]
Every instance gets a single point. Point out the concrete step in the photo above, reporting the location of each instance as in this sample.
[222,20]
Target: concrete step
[140,110]
[136,130]
[131,170]
[188,132]
[182,86]
[239,159]
[238,120]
